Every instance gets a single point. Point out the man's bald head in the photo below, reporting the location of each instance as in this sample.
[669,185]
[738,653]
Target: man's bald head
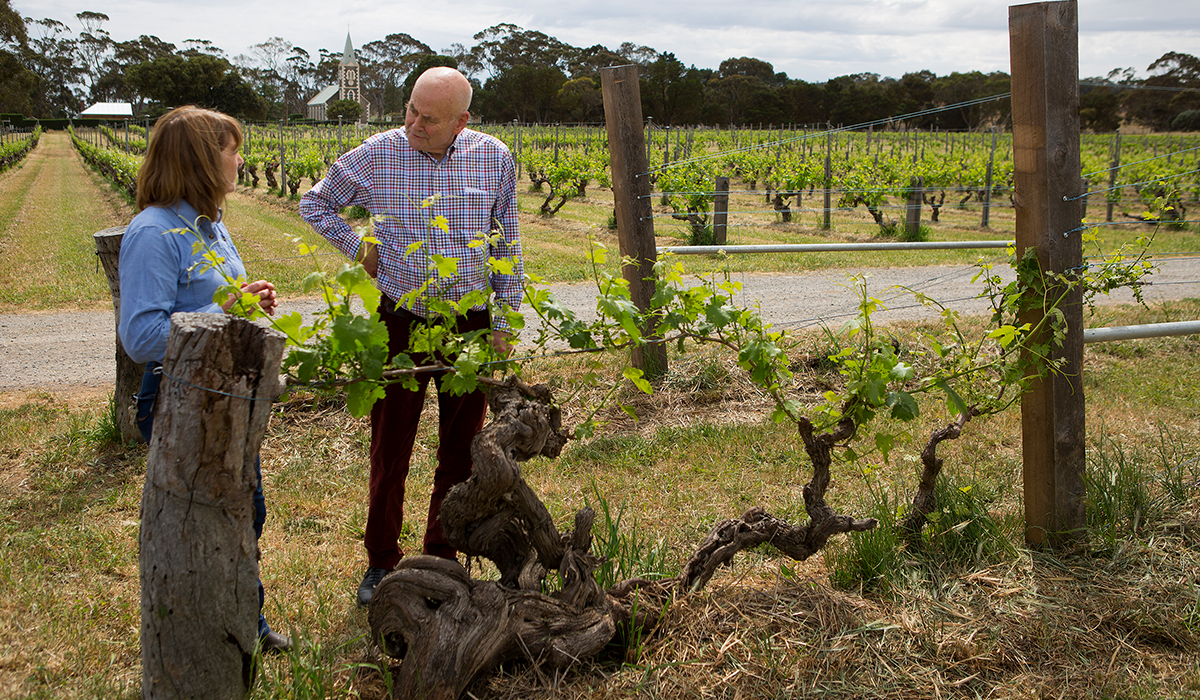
[437,110]
[452,85]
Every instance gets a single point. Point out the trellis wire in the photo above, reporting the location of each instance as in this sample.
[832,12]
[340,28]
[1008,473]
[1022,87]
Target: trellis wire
[834,130]
[1129,184]
[1144,160]
[1132,222]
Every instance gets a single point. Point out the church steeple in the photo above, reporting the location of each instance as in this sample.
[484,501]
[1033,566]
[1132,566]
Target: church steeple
[348,86]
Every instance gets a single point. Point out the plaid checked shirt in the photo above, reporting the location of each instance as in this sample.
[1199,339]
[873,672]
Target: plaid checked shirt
[473,188]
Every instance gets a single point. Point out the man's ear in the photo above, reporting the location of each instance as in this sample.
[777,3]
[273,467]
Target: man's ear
[461,123]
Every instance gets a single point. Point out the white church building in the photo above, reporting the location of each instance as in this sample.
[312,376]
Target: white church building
[348,88]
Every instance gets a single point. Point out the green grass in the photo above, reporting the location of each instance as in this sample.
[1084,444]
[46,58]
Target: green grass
[49,209]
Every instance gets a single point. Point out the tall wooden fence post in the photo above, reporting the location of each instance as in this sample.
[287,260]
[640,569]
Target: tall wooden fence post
[721,211]
[631,197]
[912,209]
[987,193]
[827,222]
[282,161]
[198,553]
[129,373]
[1044,45]
[1112,175]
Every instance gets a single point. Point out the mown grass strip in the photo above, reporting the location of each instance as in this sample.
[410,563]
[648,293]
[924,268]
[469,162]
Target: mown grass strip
[49,257]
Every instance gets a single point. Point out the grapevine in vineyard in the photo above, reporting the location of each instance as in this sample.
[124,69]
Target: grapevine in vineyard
[118,166]
[1158,176]
[16,147]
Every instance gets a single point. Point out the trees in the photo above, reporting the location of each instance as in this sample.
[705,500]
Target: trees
[518,73]
[110,85]
[201,79]
[1099,107]
[343,109]
[1169,93]
[385,65]
[94,46]
[579,100]
[1186,121]
[17,83]
[749,67]
[528,93]
[51,56]
[285,76]
[963,87]
[503,47]
[671,93]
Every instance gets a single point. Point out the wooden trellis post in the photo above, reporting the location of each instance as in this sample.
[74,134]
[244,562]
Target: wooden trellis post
[631,197]
[826,222]
[912,208]
[1044,45]
[198,553]
[720,225]
[987,194]
[129,373]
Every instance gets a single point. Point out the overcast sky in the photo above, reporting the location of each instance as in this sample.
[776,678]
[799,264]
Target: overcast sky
[813,41]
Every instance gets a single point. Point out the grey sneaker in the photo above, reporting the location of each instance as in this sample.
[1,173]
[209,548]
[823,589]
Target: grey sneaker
[370,580]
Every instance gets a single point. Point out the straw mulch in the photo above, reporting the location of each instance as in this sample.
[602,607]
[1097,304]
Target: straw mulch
[1034,627]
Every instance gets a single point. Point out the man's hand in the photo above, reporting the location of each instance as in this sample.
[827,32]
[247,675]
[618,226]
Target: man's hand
[264,290]
[502,342]
[368,255]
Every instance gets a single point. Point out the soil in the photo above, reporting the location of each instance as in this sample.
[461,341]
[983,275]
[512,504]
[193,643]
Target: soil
[71,354]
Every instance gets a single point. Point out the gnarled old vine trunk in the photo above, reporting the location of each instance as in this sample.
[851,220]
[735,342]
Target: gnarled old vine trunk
[447,628]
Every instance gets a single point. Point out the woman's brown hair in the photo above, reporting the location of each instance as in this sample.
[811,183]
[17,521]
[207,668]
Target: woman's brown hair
[184,160]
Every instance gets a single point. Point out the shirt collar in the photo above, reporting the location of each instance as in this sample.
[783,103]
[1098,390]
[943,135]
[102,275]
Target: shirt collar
[449,149]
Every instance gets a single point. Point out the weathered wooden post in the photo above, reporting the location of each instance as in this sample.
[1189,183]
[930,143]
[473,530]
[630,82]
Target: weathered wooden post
[129,373]
[631,197]
[517,146]
[987,194]
[199,555]
[1044,44]
[1112,175]
[721,211]
[282,161]
[912,209]
[827,222]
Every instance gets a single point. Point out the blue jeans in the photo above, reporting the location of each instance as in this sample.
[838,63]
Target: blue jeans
[146,399]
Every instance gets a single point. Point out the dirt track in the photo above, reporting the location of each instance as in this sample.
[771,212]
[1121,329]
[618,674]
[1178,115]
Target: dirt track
[72,352]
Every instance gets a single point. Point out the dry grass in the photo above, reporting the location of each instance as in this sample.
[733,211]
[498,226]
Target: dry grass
[1118,618]
[1115,619]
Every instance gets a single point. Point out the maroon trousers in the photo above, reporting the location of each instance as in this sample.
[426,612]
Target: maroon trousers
[394,421]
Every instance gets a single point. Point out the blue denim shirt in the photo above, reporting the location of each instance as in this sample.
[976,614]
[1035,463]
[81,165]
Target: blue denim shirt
[161,275]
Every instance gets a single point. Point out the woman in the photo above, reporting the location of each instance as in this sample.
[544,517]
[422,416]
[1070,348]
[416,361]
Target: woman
[191,165]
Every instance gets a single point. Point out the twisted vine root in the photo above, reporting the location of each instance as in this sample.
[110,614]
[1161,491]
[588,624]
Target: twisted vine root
[448,628]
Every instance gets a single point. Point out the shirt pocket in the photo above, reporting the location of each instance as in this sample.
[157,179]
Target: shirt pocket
[472,211]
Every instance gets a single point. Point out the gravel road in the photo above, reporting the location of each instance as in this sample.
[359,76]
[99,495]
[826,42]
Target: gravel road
[72,352]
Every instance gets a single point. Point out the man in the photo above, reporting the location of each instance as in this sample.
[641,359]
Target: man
[434,167]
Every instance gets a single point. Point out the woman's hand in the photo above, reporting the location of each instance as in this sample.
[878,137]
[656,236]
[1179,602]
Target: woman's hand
[264,290]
